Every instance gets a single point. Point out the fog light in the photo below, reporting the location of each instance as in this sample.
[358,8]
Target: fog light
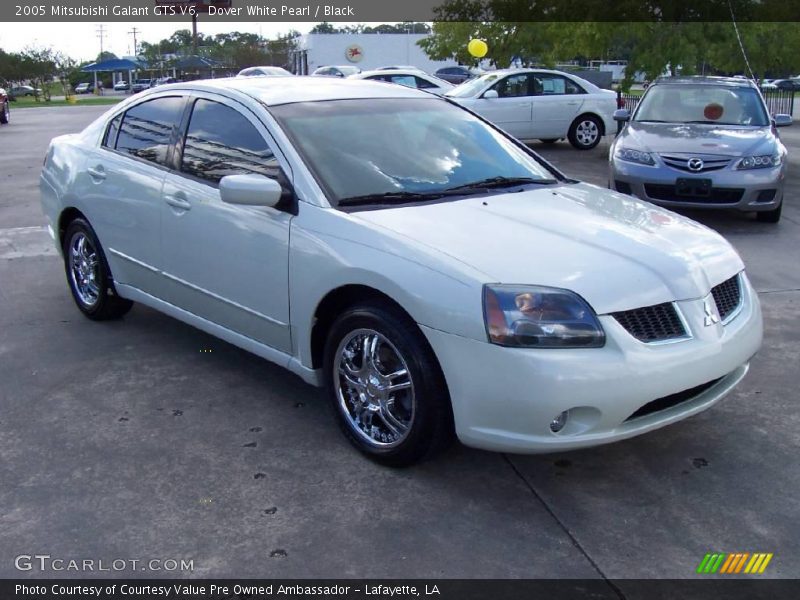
[558,423]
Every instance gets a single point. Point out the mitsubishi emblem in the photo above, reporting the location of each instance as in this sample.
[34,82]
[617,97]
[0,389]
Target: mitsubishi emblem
[711,316]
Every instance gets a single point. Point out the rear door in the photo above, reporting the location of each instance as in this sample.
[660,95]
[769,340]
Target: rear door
[556,103]
[125,176]
[227,264]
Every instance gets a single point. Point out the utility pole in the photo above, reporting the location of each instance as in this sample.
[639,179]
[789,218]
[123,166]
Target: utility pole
[134,32]
[101,34]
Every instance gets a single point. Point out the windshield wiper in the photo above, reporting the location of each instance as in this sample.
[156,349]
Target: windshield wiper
[396,197]
[651,121]
[495,182]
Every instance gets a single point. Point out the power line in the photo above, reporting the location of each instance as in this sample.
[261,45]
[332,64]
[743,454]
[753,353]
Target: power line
[741,45]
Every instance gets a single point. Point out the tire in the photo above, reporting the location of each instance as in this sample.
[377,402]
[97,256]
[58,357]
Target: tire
[88,275]
[585,132]
[549,141]
[5,113]
[770,216]
[396,429]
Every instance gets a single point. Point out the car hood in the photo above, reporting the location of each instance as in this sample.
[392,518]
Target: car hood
[695,137]
[615,251]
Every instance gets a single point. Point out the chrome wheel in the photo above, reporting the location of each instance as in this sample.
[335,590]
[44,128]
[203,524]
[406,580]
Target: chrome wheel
[587,132]
[84,265]
[374,388]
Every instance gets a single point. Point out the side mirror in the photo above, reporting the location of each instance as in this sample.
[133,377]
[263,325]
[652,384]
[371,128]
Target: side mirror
[250,190]
[622,115]
[489,94]
[782,120]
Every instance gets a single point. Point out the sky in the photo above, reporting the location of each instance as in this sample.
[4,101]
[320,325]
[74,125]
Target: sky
[80,41]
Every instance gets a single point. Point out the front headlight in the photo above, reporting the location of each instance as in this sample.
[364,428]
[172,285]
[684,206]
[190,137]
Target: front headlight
[539,317]
[764,161]
[635,156]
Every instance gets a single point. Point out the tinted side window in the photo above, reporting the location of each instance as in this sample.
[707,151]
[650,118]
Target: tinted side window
[423,84]
[220,141]
[110,139]
[147,128]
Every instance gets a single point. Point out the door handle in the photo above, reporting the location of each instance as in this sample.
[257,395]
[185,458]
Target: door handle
[97,173]
[178,201]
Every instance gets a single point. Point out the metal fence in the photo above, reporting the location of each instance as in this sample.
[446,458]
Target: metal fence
[778,101]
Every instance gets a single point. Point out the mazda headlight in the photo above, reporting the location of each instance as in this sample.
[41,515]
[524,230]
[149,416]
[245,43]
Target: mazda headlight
[634,156]
[765,161]
[539,317]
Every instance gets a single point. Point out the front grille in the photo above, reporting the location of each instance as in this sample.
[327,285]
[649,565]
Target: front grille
[681,162]
[657,191]
[652,323]
[728,296]
[671,400]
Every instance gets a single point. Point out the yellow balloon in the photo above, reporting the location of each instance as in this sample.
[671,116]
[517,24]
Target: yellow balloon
[477,48]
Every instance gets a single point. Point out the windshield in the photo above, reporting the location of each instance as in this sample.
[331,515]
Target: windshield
[402,146]
[702,103]
[472,86]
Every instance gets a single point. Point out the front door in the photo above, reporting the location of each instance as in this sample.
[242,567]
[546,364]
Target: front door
[511,110]
[227,264]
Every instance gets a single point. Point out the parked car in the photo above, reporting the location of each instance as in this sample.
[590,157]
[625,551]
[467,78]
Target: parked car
[702,142]
[784,84]
[337,71]
[398,68]
[84,88]
[457,75]
[5,108]
[20,91]
[541,104]
[466,285]
[139,85]
[122,86]
[412,78]
[263,72]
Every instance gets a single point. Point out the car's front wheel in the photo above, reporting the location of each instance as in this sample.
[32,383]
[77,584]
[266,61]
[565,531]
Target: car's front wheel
[770,216]
[88,274]
[585,132]
[5,114]
[385,385]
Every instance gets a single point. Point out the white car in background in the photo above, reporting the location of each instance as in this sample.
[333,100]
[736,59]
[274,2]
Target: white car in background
[413,78]
[541,104]
[263,72]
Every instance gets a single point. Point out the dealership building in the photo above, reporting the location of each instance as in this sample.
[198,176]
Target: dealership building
[363,50]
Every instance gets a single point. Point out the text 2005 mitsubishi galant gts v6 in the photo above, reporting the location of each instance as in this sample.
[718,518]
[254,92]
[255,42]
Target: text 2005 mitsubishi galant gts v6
[431,272]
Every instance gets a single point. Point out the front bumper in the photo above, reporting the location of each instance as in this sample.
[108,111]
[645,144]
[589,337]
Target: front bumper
[653,183]
[504,399]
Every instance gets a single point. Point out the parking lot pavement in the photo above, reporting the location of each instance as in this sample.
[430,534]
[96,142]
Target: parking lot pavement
[145,438]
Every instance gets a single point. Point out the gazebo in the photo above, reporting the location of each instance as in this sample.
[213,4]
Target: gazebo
[113,64]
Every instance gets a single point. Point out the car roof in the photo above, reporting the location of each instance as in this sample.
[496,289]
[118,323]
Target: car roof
[705,79]
[390,72]
[287,90]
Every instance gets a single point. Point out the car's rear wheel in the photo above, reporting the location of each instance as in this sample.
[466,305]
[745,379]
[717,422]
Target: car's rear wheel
[770,216]
[385,385]
[88,274]
[585,132]
[5,114]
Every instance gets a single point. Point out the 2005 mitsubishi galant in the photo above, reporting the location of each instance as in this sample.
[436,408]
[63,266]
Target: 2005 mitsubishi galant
[433,273]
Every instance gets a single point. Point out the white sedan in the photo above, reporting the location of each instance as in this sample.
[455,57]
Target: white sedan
[411,77]
[541,104]
[432,273]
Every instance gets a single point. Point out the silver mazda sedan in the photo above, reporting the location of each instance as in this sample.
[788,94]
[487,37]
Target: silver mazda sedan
[702,142]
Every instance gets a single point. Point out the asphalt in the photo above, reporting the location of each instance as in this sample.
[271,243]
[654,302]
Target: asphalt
[146,439]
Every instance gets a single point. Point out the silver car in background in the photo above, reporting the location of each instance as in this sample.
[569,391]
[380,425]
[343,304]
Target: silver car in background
[702,142]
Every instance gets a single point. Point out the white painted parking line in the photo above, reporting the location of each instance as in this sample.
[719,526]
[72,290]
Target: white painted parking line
[24,242]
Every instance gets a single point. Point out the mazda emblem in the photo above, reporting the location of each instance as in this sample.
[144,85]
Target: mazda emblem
[695,164]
